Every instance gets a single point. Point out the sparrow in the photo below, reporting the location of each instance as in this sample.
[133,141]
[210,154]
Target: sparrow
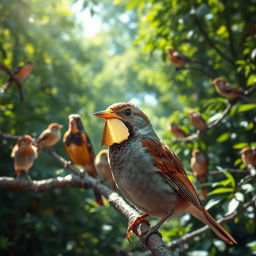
[249,156]
[21,73]
[79,148]
[199,168]
[197,120]
[148,173]
[24,154]
[225,89]
[103,168]
[50,136]
[177,131]
[179,59]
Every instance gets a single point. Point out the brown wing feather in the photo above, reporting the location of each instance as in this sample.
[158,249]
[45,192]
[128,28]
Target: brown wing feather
[172,169]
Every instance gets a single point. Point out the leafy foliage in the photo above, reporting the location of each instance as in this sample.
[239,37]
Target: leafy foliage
[126,61]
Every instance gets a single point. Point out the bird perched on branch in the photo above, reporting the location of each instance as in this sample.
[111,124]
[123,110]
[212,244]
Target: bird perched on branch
[197,120]
[225,89]
[148,173]
[50,136]
[21,73]
[80,149]
[177,131]
[249,156]
[199,168]
[178,59]
[24,154]
[103,168]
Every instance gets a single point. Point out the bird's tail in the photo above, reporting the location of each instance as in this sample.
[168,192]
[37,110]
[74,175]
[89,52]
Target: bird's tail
[204,216]
[247,99]
[90,168]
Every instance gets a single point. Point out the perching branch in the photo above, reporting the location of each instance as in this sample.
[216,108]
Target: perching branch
[82,179]
[214,172]
[17,81]
[226,111]
[200,69]
[154,242]
[68,181]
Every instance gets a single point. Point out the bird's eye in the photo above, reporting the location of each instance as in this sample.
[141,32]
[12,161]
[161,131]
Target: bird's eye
[127,112]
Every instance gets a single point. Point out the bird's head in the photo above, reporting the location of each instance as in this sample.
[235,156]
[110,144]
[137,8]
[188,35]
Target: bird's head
[54,127]
[25,141]
[246,151]
[173,125]
[75,123]
[196,152]
[170,51]
[193,113]
[123,120]
[219,81]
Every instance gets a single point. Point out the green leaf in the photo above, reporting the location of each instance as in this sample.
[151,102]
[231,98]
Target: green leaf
[223,137]
[240,145]
[246,107]
[221,191]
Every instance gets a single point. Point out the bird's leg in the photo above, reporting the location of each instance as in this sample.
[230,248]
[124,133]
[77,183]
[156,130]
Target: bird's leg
[28,176]
[144,237]
[132,224]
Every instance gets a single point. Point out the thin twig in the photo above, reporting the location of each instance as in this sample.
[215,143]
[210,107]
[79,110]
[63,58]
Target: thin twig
[209,40]
[214,172]
[201,69]
[17,81]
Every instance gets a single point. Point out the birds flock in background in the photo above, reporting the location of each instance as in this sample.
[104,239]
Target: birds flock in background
[143,168]
[77,145]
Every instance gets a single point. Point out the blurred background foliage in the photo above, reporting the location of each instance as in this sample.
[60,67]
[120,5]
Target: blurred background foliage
[82,68]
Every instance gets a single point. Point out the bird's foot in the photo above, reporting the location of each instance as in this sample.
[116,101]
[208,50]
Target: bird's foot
[67,164]
[134,223]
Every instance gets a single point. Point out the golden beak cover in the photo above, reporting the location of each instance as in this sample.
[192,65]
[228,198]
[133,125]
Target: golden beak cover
[114,132]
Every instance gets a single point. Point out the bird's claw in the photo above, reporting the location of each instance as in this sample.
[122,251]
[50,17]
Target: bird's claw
[134,223]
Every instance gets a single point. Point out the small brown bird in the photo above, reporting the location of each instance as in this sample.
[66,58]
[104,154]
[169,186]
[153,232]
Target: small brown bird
[50,136]
[103,168]
[197,120]
[24,154]
[249,156]
[200,169]
[177,131]
[225,89]
[148,173]
[179,59]
[21,73]
[80,149]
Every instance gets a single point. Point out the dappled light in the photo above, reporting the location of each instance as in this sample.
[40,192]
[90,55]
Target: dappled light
[127,127]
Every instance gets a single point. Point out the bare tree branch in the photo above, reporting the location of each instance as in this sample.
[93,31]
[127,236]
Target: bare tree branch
[17,81]
[41,185]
